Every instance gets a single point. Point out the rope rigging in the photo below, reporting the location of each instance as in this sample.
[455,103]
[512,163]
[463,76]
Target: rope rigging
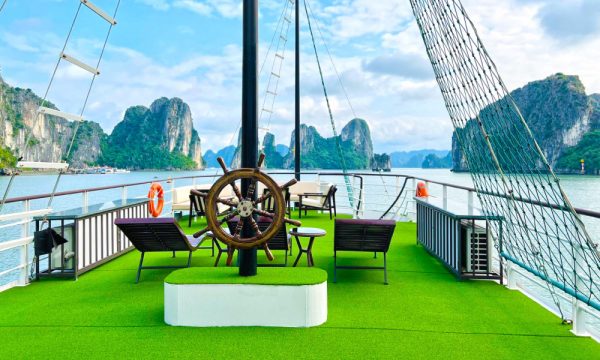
[337,138]
[339,78]
[43,111]
[284,18]
[272,87]
[542,232]
[3,4]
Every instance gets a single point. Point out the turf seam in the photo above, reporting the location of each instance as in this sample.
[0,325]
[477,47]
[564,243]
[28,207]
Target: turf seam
[449,332]
[317,328]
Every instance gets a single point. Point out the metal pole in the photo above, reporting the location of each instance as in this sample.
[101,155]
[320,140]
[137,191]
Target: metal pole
[247,258]
[297,119]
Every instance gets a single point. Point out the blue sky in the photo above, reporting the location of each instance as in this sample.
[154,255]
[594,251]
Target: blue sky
[192,49]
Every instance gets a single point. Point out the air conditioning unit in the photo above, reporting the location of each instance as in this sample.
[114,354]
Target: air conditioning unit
[476,248]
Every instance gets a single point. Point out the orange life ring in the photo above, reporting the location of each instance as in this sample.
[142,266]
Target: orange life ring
[422,190]
[156,190]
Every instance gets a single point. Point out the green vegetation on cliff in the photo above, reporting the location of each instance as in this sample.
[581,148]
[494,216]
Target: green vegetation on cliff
[326,155]
[433,161]
[7,159]
[138,143]
[587,149]
[273,159]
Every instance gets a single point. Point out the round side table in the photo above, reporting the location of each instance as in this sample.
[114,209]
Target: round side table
[310,233]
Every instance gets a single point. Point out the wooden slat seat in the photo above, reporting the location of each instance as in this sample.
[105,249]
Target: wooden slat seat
[157,235]
[365,236]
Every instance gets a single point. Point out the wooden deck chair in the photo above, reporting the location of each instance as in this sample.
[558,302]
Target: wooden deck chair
[157,235]
[363,235]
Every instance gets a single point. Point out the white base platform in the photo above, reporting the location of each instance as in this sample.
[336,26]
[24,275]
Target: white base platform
[215,305]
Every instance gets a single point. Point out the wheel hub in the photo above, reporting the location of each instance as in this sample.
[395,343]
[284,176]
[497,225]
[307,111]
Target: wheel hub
[245,208]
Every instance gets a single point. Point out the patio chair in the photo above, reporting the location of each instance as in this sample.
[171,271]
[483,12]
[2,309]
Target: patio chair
[157,235]
[318,201]
[365,236]
[269,204]
[197,205]
[281,241]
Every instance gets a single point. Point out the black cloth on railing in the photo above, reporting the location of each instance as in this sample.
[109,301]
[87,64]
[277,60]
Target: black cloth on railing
[45,240]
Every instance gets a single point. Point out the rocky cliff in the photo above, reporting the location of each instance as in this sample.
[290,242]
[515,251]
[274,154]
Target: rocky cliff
[433,161]
[159,137]
[273,159]
[210,157]
[49,136]
[318,152]
[558,112]
[381,162]
[414,158]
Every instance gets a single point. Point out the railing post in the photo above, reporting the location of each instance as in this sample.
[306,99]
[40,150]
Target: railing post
[84,200]
[470,202]
[24,278]
[194,181]
[578,312]
[172,192]
[445,195]
[362,199]
[511,281]
[124,194]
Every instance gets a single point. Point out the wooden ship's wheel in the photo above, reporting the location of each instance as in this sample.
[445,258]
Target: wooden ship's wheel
[246,207]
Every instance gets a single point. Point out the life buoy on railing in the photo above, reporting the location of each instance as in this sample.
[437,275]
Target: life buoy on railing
[422,190]
[156,190]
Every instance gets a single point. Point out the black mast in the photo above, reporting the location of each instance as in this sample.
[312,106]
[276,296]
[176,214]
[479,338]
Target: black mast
[297,120]
[247,258]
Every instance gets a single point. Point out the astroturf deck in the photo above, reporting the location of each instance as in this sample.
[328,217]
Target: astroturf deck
[423,314]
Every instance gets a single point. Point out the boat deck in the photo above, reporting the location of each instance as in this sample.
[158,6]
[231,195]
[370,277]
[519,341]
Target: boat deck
[423,313]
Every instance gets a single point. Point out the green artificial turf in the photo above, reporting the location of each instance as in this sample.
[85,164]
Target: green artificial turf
[424,313]
[266,276]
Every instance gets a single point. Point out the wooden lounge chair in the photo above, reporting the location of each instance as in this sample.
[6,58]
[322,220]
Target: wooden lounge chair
[318,201]
[157,235]
[281,241]
[363,235]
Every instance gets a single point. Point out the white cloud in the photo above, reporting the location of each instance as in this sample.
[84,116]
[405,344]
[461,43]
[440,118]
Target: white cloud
[195,6]
[19,42]
[156,4]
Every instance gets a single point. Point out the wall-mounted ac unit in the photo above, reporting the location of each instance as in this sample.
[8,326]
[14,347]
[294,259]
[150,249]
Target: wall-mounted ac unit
[476,248]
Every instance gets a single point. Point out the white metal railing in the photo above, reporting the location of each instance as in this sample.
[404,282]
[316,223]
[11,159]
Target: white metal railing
[20,222]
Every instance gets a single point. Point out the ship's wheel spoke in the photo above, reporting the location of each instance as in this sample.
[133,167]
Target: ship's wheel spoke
[227,217]
[264,213]
[227,202]
[238,227]
[230,252]
[262,198]
[268,252]
[201,232]
[288,184]
[199,193]
[251,189]
[292,222]
[236,191]
[256,228]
